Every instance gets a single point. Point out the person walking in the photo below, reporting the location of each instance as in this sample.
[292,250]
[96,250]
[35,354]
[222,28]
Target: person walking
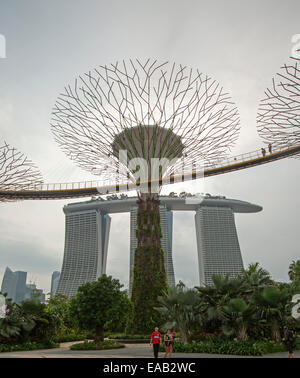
[155,340]
[289,341]
[173,341]
[168,339]
[173,335]
[270,148]
[263,151]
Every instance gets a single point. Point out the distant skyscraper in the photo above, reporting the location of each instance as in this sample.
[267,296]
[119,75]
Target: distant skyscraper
[14,284]
[54,283]
[6,282]
[166,218]
[218,245]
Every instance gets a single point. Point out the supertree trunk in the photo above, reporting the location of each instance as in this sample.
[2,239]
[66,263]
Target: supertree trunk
[149,275]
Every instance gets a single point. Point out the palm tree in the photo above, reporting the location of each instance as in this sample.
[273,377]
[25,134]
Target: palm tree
[294,271]
[271,302]
[214,298]
[179,306]
[237,317]
[255,276]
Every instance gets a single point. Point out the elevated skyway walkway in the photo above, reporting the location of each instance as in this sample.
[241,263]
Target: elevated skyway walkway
[91,188]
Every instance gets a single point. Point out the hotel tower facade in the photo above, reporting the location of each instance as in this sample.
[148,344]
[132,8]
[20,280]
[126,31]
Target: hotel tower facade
[87,226]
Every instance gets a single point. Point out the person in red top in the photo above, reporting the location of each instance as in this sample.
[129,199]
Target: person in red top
[155,340]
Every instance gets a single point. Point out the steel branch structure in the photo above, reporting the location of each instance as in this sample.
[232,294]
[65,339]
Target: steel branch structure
[279,112]
[143,106]
[16,170]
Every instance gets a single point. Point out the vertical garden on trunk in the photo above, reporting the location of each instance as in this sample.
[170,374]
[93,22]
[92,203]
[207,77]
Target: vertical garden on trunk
[149,268]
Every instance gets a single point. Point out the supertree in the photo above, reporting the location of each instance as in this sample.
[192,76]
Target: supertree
[279,112]
[151,110]
[17,172]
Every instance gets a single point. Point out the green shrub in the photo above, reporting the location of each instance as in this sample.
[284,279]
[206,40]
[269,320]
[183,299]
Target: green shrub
[70,337]
[123,336]
[47,344]
[106,344]
[233,347]
[47,322]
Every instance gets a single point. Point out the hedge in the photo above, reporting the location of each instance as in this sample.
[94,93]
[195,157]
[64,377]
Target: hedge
[106,344]
[70,337]
[232,347]
[30,345]
[123,336]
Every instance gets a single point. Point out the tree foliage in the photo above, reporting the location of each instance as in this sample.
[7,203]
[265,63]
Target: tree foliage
[95,304]
[294,271]
[251,305]
[179,307]
[121,315]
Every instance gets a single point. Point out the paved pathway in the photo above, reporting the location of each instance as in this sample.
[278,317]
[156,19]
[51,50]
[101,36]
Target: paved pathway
[130,351]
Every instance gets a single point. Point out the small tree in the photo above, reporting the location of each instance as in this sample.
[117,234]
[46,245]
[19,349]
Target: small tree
[95,303]
[255,277]
[270,303]
[60,305]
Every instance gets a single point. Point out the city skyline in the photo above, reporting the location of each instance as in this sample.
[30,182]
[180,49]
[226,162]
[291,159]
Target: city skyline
[16,288]
[243,51]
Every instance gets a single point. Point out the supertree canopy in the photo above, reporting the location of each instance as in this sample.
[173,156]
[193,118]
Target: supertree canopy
[152,111]
[16,171]
[279,112]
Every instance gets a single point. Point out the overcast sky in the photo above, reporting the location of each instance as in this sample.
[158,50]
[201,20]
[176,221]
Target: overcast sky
[241,44]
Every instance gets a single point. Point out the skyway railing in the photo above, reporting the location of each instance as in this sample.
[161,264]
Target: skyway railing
[230,164]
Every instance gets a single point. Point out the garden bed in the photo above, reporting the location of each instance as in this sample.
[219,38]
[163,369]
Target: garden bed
[125,336]
[131,341]
[128,339]
[103,345]
[28,346]
[70,337]
[232,347]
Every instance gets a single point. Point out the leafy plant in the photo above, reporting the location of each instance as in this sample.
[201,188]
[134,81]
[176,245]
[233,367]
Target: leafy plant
[237,316]
[230,347]
[95,303]
[179,306]
[29,345]
[16,323]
